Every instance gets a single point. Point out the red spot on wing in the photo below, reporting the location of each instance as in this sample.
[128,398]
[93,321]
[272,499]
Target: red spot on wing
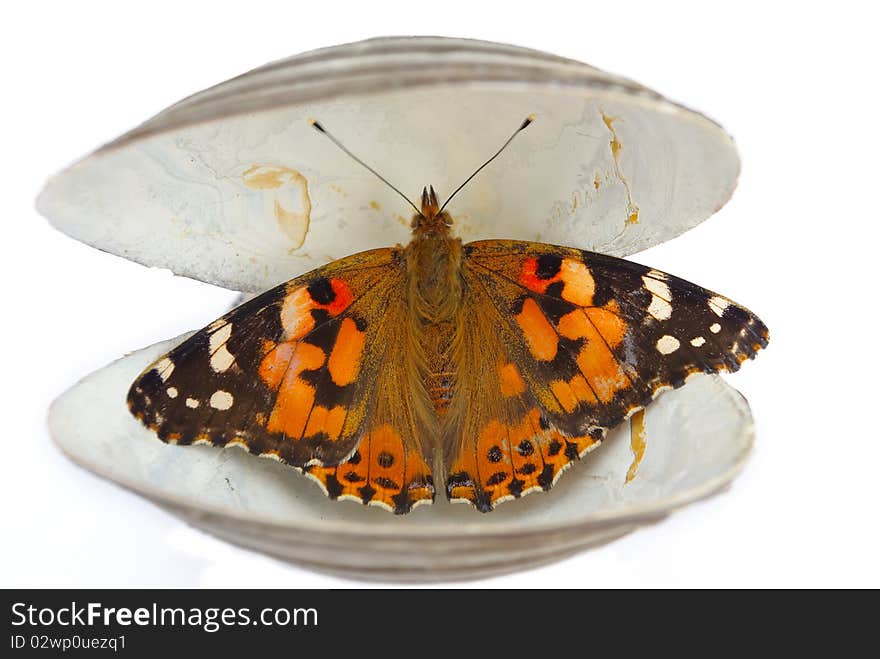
[342,297]
[529,278]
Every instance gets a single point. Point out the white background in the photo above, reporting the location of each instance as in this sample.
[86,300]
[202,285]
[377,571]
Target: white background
[795,84]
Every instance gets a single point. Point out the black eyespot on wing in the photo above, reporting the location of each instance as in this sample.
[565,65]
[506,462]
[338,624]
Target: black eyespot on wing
[496,478]
[321,291]
[526,448]
[516,487]
[548,266]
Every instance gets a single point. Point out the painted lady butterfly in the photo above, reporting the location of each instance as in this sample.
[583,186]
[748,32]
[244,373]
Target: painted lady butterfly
[494,363]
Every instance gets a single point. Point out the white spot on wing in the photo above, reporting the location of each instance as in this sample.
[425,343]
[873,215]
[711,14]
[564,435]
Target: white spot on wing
[192,403]
[660,308]
[715,328]
[220,336]
[660,288]
[697,341]
[221,400]
[718,305]
[221,358]
[172,392]
[666,345]
[164,367]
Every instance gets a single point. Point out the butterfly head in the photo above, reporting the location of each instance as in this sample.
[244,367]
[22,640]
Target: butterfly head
[432,219]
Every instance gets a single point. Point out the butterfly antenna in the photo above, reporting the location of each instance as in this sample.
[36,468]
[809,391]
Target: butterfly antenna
[525,124]
[318,127]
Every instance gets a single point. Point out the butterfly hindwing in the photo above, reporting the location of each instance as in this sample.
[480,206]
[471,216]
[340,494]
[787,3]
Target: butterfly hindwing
[391,467]
[500,443]
[383,471]
[574,342]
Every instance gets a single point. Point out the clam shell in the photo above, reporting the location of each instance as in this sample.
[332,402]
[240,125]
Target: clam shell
[698,439]
[233,187]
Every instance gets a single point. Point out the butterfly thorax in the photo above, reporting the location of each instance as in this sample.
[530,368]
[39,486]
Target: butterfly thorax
[433,265]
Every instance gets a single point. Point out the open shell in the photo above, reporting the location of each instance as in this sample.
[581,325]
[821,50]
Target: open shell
[233,187]
[698,439]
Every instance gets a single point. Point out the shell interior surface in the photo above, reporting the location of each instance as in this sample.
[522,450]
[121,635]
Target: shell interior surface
[232,186]
[697,439]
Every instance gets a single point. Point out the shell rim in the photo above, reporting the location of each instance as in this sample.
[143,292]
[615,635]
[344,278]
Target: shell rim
[526,67]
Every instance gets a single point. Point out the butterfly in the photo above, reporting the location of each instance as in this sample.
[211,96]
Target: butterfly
[491,366]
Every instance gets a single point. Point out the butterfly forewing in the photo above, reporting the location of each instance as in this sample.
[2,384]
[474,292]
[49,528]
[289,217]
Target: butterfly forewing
[287,375]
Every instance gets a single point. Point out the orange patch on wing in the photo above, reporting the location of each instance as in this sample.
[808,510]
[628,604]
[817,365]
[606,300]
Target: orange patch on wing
[540,335]
[345,358]
[335,421]
[328,421]
[349,476]
[597,323]
[608,323]
[583,443]
[387,464]
[317,420]
[564,394]
[494,467]
[574,325]
[579,284]
[352,476]
[295,396]
[603,372]
[603,330]
[275,362]
[511,381]
[292,409]
[525,442]
[582,390]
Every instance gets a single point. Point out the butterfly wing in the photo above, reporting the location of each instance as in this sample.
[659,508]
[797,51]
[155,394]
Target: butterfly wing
[296,374]
[577,342]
